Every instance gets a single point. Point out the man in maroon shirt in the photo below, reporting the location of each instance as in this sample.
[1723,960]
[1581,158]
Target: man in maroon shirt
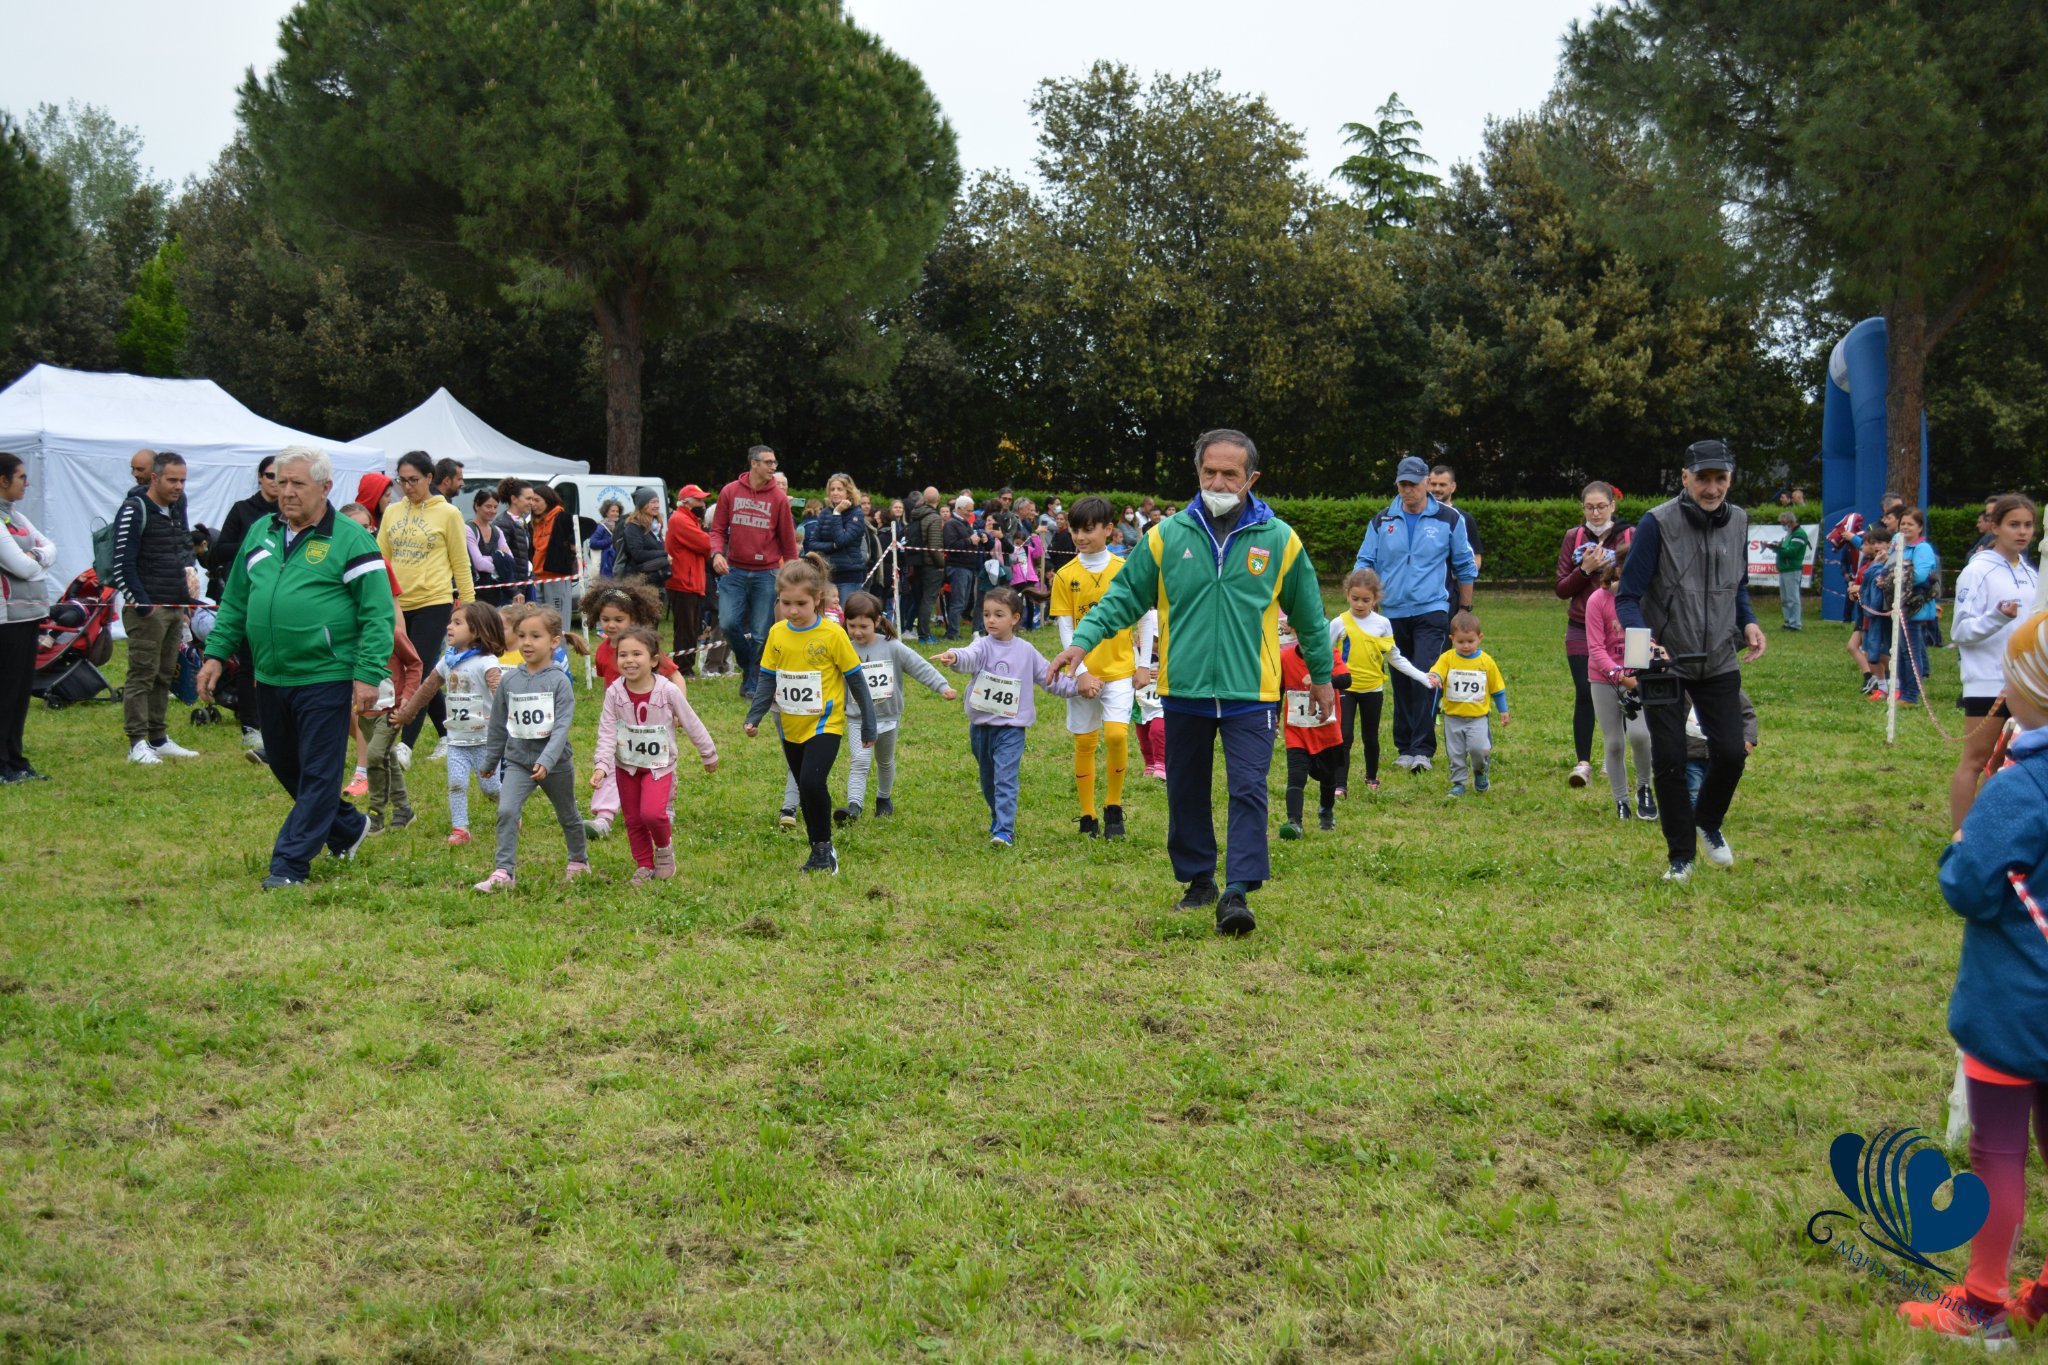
[752,534]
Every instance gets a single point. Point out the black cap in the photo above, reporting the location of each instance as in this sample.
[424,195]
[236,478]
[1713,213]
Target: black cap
[1701,455]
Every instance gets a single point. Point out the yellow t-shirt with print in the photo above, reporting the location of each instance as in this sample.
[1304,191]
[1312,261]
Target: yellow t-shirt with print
[823,649]
[1469,684]
[1363,652]
[1075,591]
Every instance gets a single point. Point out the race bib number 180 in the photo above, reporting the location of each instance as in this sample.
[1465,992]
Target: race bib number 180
[530,715]
[995,694]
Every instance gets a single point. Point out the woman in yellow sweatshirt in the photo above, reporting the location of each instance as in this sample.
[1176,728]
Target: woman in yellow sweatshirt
[422,539]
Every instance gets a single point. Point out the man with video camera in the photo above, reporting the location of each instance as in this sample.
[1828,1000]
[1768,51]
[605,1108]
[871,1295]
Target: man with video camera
[1687,582]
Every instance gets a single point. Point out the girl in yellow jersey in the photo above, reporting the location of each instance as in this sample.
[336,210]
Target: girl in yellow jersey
[808,671]
[1363,641]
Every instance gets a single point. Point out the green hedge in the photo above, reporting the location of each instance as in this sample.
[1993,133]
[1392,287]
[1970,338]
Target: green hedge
[1519,537]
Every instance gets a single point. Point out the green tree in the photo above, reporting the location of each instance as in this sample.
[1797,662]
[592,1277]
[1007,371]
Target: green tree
[102,160]
[1558,356]
[1386,170]
[657,166]
[37,239]
[1887,151]
[1179,271]
[157,319]
[1987,400]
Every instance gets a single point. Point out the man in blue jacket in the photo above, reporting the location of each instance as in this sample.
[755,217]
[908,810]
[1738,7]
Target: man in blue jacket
[1411,546]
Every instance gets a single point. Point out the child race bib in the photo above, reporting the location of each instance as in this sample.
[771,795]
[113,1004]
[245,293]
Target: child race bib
[881,681]
[800,694]
[470,715]
[1147,696]
[1465,685]
[643,746]
[995,695]
[530,715]
[1302,713]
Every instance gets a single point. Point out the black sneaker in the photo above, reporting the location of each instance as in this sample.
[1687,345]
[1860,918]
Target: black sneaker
[1646,802]
[400,818]
[25,773]
[884,806]
[1327,819]
[1679,871]
[847,813]
[1201,891]
[1089,829]
[1234,916]
[276,883]
[1624,810]
[376,819]
[823,859]
[1112,822]
[841,816]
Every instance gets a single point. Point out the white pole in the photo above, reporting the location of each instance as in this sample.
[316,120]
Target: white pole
[1898,614]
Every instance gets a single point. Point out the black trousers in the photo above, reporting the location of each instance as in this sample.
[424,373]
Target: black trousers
[17,688]
[810,763]
[930,578]
[1301,766]
[427,628]
[687,611]
[1421,639]
[1361,713]
[1717,700]
[1583,719]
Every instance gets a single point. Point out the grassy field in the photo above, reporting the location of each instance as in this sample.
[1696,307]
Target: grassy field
[1479,1088]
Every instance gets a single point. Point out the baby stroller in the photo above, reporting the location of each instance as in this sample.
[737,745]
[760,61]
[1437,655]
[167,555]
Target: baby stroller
[73,642]
[227,692]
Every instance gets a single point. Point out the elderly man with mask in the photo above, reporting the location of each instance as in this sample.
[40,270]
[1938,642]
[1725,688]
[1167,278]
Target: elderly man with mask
[310,595]
[1221,574]
[1687,581]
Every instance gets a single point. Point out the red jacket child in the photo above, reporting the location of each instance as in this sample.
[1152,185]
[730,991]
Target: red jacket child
[1294,678]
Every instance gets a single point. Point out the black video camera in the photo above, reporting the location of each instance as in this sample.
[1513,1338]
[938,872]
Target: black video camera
[1659,683]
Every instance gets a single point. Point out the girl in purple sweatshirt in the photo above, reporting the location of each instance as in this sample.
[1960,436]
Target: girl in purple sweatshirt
[1000,704]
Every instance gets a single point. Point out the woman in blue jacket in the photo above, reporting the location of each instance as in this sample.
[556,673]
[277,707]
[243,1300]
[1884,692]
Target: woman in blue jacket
[840,534]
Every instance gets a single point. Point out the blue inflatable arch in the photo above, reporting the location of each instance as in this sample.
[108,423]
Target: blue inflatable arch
[1854,462]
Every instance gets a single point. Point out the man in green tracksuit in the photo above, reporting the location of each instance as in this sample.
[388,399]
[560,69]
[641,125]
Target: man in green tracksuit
[310,594]
[1220,573]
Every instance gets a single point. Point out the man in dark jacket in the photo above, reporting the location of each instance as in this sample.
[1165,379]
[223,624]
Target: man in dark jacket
[927,533]
[966,548]
[227,548]
[514,495]
[1687,580]
[152,551]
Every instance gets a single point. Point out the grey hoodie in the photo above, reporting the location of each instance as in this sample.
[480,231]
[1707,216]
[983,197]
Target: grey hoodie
[905,659]
[552,752]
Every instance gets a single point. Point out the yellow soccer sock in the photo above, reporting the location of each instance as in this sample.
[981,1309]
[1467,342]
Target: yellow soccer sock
[1119,737]
[1084,771]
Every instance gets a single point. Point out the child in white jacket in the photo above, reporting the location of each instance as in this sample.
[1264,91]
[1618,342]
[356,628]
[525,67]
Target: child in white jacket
[638,733]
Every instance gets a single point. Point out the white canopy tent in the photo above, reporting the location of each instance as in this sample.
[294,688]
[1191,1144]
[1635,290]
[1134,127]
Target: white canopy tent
[77,431]
[446,430]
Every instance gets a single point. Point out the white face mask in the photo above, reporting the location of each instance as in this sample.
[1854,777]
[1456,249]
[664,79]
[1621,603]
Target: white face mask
[1220,504]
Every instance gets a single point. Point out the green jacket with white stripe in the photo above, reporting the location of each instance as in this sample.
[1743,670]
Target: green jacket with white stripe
[318,612]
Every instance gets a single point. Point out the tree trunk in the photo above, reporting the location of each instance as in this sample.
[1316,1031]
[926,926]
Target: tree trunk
[1906,348]
[619,323]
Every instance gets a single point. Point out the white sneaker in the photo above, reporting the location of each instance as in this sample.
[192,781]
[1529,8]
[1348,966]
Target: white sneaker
[403,753]
[1718,852]
[170,748]
[143,753]
[440,754]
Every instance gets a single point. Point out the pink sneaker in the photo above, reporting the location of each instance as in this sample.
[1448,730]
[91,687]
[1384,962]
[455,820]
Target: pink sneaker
[575,870]
[457,837]
[665,862]
[359,786]
[1157,770]
[641,876]
[499,880]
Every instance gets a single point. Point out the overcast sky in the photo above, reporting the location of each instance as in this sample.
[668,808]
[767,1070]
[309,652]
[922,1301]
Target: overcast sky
[172,74]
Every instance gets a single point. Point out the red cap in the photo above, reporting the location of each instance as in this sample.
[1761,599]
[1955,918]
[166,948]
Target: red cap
[691,491]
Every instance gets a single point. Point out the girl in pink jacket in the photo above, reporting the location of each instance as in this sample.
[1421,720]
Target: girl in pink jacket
[639,731]
[1619,731]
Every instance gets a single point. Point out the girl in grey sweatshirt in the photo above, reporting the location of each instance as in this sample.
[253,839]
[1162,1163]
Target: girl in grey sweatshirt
[884,661]
[530,720]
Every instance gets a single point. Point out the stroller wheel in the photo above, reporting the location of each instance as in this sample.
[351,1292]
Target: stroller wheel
[54,703]
[203,715]
[114,694]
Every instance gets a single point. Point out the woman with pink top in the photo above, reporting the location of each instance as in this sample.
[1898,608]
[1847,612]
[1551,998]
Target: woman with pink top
[645,716]
[1586,550]
[1619,721]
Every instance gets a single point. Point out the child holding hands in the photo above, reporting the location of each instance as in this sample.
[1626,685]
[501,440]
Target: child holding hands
[1000,709]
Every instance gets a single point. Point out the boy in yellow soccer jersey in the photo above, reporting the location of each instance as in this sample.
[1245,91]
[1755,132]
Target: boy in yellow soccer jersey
[1076,588]
[1468,681]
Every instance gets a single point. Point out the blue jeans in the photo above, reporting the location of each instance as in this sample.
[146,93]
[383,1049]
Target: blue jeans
[305,739]
[999,749]
[1421,639]
[1790,601]
[1913,663]
[1190,766]
[746,609]
[1695,774]
[960,599]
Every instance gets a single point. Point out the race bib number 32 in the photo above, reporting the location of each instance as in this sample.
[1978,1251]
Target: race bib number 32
[530,715]
[1465,685]
[881,681]
[996,695]
[800,694]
